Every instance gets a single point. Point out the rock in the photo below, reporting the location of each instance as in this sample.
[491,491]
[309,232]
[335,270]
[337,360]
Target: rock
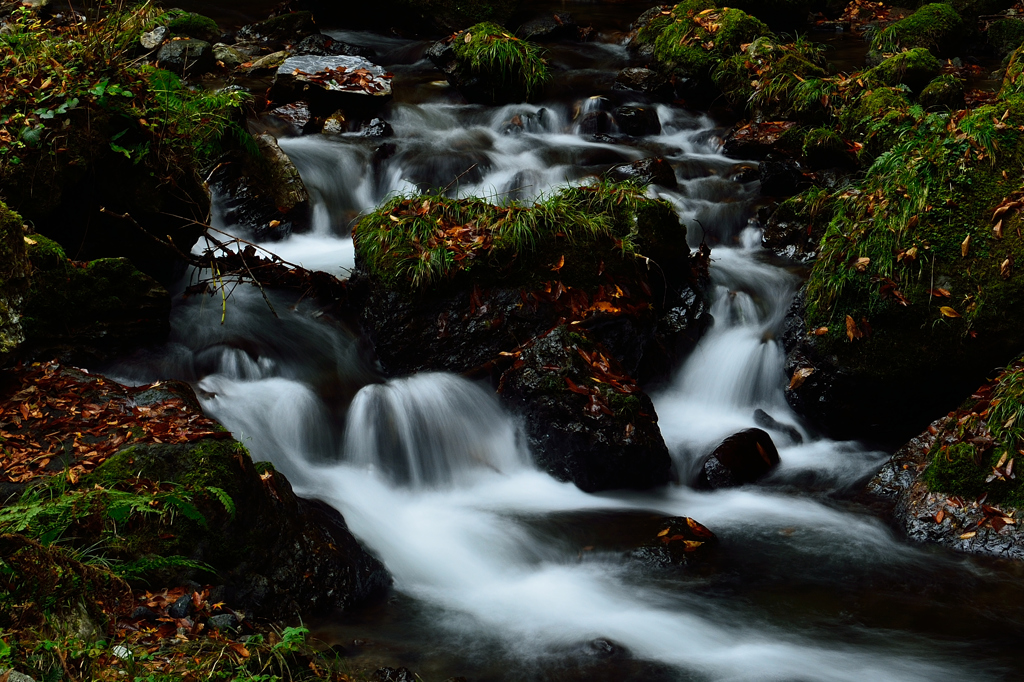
[945,93]
[182,608]
[637,121]
[155,38]
[90,311]
[394,675]
[557,26]
[144,613]
[594,123]
[11,675]
[229,56]
[515,72]
[648,171]
[194,26]
[322,45]
[765,420]
[285,29]
[281,555]
[297,115]
[187,57]
[743,457]
[378,127]
[756,140]
[274,60]
[336,123]
[351,83]
[647,81]
[596,436]
[223,621]
[936,27]
[265,194]
[915,69]
[15,269]
[679,542]
[780,177]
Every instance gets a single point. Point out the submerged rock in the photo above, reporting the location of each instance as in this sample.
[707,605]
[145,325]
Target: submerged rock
[647,81]
[679,542]
[556,26]
[649,171]
[743,457]
[637,120]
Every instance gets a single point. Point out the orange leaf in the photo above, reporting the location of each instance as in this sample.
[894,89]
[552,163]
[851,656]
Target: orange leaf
[948,312]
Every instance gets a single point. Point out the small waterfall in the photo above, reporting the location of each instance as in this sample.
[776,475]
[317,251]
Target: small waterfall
[430,429]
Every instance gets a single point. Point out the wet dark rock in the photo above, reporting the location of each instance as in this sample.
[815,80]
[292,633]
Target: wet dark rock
[266,194]
[766,421]
[743,457]
[297,115]
[557,26]
[322,45]
[945,93]
[594,123]
[753,141]
[780,177]
[182,608]
[647,81]
[394,675]
[144,613]
[598,439]
[187,57]
[637,121]
[378,127]
[602,648]
[649,171]
[317,80]
[222,621]
[285,29]
[679,541]
[260,66]
[280,554]
[936,517]
[794,231]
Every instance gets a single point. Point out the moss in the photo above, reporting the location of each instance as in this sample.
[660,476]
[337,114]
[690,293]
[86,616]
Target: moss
[914,68]
[956,470]
[1013,79]
[945,93]
[510,69]
[770,78]
[1005,35]
[207,462]
[936,27]
[701,37]
[824,147]
[877,118]
[194,26]
[430,242]
[45,253]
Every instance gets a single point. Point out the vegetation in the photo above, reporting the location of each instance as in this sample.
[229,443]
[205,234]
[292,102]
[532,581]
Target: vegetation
[420,242]
[775,79]
[935,27]
[510,68]
[914,68]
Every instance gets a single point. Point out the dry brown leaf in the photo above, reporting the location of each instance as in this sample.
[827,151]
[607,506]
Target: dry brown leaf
[948,312]
[965,246]
[853,332]
[799,377]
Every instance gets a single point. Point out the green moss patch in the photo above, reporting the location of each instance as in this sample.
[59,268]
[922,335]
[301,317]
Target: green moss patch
[701,36]
[194,26]
[936,27]
[914,68]
[776,79]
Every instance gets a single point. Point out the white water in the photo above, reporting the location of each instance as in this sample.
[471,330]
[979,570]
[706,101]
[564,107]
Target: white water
[433,478]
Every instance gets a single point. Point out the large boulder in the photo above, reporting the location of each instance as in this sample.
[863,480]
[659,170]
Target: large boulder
[586,419]
[90,311]
[936,27]
[186,56]
[744,457]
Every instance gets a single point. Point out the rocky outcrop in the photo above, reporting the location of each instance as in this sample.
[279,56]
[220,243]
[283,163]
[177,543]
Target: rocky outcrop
[186,57]
[353,84]
[14,280]
[586,420]
[89,311]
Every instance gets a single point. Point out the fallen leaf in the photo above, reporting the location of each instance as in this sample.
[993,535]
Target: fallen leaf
[965,246]
[968,536]
[861,264]
[998,230]
[799,377]
[948,312]
[1004,268]
[939,293]
[821,331]
[940,515]
[853,332]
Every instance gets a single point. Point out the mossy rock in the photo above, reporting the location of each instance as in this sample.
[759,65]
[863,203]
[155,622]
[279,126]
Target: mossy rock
[701,36]
[491,65]
[1013,79]
[1005,35]
[796,226]
[915,281]
[14,274]
[278,554]
[936,27]
[90,311]
[914,68]
[774,80]
[195,26]
[877,118]
[824,148]
[945,93]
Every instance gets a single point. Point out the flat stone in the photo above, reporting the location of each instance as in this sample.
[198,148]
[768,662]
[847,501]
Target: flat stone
[229,56]
[186,56]
[343,73]
[154,38]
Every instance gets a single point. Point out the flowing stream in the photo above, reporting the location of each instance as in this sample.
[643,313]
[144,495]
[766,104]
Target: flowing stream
[503,573]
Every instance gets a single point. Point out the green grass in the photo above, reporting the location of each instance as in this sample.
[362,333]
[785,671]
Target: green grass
[512,68]
[423,241]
